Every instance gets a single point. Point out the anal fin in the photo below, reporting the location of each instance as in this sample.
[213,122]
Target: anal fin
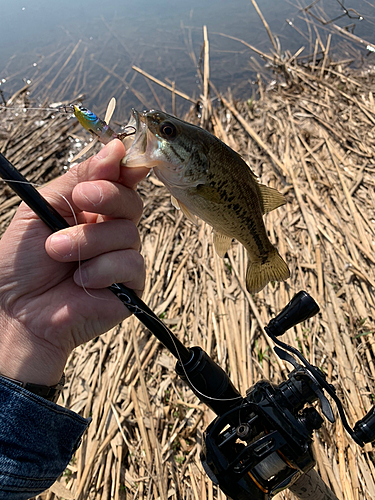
[221,243]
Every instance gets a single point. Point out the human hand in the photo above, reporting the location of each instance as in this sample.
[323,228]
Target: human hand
[45,308]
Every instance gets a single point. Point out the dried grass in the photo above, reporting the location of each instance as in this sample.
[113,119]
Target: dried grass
[311,135]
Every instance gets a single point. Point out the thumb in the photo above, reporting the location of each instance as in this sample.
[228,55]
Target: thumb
[105,165]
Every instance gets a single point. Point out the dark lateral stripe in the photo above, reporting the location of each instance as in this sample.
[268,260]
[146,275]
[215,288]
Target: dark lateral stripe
[175,152]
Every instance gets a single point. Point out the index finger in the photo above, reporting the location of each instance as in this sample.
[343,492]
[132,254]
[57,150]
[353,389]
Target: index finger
[130,177]
[105,165]
[92,169]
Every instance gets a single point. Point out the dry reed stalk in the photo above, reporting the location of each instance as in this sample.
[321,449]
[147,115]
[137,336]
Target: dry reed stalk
[254,49]
[317,128]
[162,84]
[206,111]
[254,135]
[75,48]
[156,97]
[325,56]
[354,38]
[269,32]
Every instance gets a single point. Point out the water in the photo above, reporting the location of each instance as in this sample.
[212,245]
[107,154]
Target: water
[164,38]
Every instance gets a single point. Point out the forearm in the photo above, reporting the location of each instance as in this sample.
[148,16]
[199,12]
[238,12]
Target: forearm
[33,456]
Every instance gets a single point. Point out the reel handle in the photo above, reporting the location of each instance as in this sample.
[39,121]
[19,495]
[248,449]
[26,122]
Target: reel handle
[300,308]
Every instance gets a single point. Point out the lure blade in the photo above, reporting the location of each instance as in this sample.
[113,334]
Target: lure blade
[110,110]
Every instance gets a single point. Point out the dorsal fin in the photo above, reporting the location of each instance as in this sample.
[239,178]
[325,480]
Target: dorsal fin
[271,198]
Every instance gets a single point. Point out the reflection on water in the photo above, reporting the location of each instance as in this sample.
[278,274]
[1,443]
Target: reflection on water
[74,47]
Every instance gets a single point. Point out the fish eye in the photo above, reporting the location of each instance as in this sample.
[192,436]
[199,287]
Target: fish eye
[83,109]
[168,130]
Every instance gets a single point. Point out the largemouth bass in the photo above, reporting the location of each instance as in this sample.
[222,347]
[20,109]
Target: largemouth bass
[208,179]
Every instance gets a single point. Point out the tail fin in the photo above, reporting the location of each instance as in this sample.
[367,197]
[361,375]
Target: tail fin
[258,274]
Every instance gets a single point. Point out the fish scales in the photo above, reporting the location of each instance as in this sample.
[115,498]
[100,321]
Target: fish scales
[208,179]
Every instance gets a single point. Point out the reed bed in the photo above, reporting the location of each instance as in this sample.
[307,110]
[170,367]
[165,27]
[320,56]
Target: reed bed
[311,135]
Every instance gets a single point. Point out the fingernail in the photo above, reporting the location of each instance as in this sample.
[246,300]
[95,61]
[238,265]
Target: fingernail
[81,277]
[92,193]
[61,244]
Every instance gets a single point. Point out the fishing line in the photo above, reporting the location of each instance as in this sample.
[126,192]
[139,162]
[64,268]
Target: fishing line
[59,108]
[75,224]
[79,244]
[181,361]
[136,309]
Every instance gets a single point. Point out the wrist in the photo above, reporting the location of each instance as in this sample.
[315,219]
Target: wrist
[26,359]
[51,393]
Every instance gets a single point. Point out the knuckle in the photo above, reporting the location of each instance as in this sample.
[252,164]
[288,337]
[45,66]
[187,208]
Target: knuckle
[132,236]
[140,204]
[137,261]
[137,206]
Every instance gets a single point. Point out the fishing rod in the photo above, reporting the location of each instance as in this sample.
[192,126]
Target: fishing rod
[207,379]
[45,211]
[259,444]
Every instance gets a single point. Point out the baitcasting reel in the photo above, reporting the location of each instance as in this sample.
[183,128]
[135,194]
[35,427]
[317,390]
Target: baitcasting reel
[261,444]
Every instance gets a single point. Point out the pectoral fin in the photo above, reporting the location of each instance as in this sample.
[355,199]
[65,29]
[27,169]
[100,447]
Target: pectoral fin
[175,203]
[271,198]
[221,243]
[180,206]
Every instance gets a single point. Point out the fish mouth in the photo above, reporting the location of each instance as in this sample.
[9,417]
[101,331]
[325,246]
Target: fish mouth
[136,145]
[136,119]
[138,123]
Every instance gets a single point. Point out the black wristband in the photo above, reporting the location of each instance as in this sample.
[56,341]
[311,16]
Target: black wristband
[51,393]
